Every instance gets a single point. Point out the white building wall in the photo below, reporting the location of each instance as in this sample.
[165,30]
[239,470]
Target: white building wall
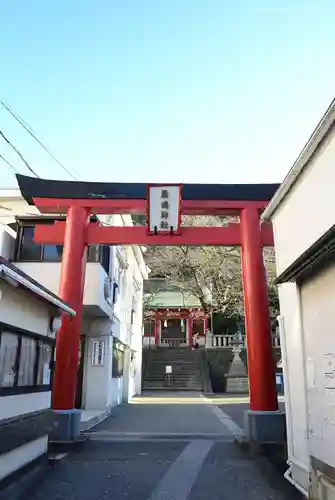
[48,274]
[14,406]
[21,456]
[102,320]
[308,209]
[318,313]
[7,242]
[20,310]
[307,317]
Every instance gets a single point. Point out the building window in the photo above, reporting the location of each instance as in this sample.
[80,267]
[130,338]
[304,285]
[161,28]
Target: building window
[93,253]
[104,257]
[44,363]
[118,359]
[149,326]
[25,361]
[8,356]
[29,251]
[52,253]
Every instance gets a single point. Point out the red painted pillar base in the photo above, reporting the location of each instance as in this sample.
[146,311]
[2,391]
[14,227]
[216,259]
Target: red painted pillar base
[71,290]
[262,383]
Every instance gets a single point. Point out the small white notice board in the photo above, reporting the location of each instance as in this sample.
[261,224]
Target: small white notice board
[98,352]
[168,369]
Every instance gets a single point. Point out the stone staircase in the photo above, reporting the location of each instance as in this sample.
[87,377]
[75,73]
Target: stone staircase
[186,369]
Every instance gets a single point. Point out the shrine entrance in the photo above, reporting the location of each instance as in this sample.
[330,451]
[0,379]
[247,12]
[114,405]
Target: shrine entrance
[173,332]
[164,205]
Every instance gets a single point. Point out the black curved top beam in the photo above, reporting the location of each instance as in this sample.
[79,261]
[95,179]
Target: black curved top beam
[31,187]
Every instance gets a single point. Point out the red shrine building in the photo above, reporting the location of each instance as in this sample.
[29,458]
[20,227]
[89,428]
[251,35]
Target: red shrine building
[164,205]
[172,316]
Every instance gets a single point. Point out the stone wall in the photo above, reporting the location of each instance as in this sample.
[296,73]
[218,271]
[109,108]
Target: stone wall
[219,361]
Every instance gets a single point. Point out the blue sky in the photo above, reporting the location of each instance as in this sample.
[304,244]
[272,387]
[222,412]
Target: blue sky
[165,90]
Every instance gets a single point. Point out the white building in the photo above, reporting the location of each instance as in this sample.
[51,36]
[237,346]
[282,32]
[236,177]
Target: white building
[111,343]
[29,318]
[303,216]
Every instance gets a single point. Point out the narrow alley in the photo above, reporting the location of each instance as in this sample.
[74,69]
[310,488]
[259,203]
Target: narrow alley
[165,447]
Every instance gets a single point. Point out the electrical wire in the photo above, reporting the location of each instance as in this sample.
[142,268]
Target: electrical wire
[9,164]
[19,154]
[32,133]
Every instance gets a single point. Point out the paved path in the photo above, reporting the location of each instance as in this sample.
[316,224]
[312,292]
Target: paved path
[162,447]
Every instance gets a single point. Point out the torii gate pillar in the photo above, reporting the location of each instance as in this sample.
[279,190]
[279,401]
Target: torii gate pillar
[263,422]
[71,290]
[263,397]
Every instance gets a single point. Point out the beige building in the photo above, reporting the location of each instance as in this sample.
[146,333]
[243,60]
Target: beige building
[303,216]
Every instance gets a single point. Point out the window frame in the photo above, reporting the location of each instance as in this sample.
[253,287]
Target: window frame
[100,255]
[120,348]
[27,389]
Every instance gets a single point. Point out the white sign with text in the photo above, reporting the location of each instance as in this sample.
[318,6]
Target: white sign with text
[164,209]
[98,352]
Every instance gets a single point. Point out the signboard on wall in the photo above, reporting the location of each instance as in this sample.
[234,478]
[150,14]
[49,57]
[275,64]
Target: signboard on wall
[98,352]
[164,208]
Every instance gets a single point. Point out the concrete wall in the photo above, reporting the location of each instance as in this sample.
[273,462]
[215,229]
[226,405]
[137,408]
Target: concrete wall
[308,210]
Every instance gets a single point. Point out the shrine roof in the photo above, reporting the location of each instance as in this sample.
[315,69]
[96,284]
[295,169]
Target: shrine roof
[172,299]
[32,187]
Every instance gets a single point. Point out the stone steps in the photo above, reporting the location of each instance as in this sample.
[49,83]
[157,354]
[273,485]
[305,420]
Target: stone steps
[185,375]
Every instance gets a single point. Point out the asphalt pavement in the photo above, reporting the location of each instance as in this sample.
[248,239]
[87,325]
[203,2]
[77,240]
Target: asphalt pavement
[165,447]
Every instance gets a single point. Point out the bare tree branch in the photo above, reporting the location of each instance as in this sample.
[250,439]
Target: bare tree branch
[207,271]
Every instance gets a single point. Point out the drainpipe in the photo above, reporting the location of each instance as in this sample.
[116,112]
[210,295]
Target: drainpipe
[289,478]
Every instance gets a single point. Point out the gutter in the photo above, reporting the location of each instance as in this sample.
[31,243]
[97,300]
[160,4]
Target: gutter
[289,478]
[306,154]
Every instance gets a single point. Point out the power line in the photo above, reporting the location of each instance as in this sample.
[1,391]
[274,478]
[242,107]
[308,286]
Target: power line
[19,154]
[32,133]
[9,164]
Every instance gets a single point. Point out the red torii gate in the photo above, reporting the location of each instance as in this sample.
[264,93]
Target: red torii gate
[78,200]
